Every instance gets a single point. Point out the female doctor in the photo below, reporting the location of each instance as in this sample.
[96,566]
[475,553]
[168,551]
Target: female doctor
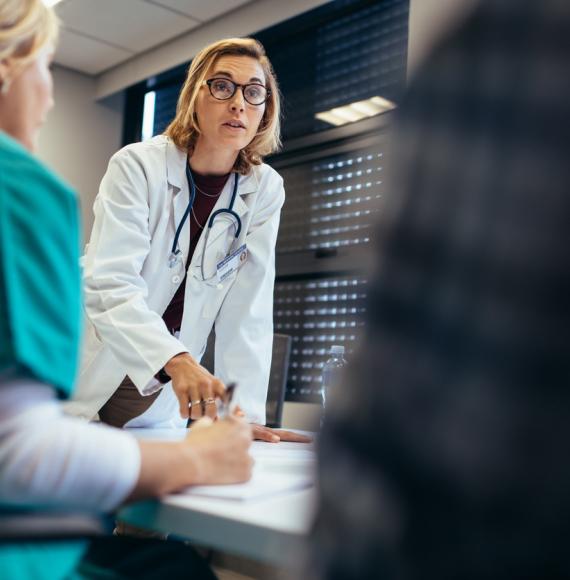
[183,242]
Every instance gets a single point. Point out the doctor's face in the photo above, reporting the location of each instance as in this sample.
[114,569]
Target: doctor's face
[24,107]
[230,124]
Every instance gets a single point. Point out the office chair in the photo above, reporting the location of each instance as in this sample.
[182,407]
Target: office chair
[277,377]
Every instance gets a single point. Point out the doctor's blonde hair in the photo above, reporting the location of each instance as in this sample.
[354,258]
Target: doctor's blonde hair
[184,129]
[26,26]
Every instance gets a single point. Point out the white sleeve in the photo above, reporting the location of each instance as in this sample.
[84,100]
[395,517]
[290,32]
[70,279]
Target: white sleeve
[244,325]
[115,291]
[47,458]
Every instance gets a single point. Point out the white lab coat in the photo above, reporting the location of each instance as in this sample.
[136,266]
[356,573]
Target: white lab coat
[128,283]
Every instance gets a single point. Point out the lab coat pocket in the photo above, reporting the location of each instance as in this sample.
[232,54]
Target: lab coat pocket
[216,296]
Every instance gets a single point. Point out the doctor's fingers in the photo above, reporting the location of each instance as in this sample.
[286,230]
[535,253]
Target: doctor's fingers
[212,391]
[196,407]
[183,403]
[203,395]
[209,405]
[217,386]
[262,433]
[186,389]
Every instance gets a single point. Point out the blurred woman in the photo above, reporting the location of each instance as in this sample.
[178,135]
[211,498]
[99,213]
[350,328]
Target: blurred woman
[184,241]
[47,459]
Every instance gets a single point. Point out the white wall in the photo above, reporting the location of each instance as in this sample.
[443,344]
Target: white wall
[80,135]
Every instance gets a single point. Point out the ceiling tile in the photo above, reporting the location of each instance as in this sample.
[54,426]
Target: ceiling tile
[86,54]
[133,25]
[199,8]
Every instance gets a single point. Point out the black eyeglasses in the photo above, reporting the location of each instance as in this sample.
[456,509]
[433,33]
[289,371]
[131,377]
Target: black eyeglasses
[224,89]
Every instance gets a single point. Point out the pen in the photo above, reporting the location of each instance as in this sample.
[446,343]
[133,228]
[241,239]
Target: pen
[227,404]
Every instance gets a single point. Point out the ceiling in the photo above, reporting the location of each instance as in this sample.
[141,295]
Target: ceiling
[97,35]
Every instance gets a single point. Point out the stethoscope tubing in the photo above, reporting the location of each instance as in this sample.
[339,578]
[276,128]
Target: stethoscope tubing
[229,210]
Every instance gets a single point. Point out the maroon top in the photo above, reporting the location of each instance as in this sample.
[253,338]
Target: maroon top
[208,189]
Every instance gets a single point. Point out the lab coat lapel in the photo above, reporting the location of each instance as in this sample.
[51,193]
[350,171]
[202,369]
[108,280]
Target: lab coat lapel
[176,176]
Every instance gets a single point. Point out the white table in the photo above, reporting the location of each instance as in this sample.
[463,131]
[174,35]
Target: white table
[271,529]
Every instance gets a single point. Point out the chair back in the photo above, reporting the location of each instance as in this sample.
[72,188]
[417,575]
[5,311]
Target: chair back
[277,376]
[278,379]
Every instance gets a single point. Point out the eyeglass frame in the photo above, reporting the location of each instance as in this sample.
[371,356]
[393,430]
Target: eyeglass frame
[236,87]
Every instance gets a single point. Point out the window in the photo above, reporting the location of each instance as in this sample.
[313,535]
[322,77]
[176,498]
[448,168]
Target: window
[331,202]
[333,197]
[317,314]
[343,52]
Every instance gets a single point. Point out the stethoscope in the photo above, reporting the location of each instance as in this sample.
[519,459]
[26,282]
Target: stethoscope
[175,251]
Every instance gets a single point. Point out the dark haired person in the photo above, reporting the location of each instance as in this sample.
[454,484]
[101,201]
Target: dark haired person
[447,456]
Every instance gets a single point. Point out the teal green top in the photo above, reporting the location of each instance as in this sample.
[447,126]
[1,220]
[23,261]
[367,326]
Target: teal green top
[40,287]
[39,314]
[43,560]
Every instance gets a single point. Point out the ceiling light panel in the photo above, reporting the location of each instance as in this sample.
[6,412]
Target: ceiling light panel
[356,111]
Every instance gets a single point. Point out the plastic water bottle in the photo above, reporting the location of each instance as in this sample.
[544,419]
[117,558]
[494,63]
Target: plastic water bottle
[332,370]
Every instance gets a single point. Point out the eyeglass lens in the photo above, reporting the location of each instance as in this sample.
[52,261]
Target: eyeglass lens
[223,89]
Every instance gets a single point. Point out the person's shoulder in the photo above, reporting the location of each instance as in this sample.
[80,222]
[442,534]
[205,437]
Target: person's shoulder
[15,160]
[35,205]
[149,159]
[269,181]
[144,150]
[10,149]
[270,191]
[21,170]
[267,174]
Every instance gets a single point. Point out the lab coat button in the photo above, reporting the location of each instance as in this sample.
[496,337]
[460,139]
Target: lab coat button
[219,286]
[175,279]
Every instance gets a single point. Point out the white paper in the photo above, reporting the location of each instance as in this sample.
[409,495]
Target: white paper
[279,468]
[262,484]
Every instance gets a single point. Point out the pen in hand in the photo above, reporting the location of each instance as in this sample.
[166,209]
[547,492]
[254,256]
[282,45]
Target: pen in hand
[226,406]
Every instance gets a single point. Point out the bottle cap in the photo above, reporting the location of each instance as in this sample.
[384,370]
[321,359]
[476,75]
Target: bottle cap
[336,349]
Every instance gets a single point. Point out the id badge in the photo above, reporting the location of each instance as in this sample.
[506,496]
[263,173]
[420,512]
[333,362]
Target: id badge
[231,263]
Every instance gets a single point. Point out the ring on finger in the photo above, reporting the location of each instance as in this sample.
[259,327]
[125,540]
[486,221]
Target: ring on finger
[195,403]
[210,401]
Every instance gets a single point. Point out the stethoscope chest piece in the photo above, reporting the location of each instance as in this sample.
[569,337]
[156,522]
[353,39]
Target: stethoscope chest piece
[173,260]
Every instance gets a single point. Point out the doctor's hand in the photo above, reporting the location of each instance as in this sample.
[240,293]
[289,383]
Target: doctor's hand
[262,433]
[195,387]
[270,435]
[220,450]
